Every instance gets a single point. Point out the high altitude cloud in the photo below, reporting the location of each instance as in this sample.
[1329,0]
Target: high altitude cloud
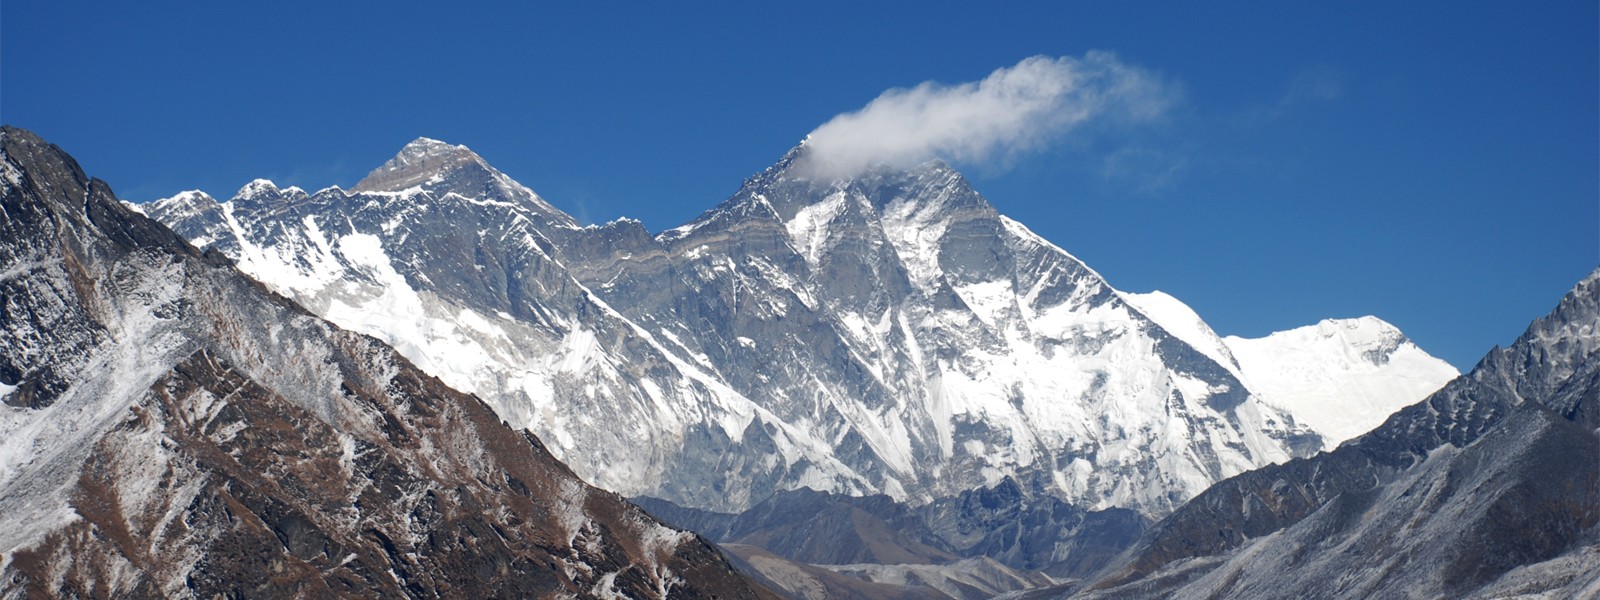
[1014,109]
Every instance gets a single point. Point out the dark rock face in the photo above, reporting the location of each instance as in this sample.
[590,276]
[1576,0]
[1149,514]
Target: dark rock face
[807,526]
[190,434]
[1005,524]
[1489,484]
[807,581]
[1033,532]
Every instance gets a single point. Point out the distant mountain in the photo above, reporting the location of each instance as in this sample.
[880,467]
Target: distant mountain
[1488,489]
[1340,377]
[891,334]
[171,428]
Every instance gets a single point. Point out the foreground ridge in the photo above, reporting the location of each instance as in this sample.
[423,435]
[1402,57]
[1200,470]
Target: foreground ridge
[1486,489]
[171,428]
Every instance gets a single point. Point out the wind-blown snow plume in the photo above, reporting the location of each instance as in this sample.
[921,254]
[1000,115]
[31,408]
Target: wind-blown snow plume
[1014,109]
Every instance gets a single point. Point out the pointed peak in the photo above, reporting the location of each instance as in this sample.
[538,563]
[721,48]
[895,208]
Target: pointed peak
[257,186]
[827,165]
[936,164]
[428,142]
[428,147]
[183,203]
[799,166]
[189,196]
[415,163]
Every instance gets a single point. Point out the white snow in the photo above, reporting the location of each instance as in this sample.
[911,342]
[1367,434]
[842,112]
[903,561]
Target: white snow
[10,173]
[1183,323]
[808,230]
[41,450]
[1341,377]
[256,186]
[1034,367]
[915,229]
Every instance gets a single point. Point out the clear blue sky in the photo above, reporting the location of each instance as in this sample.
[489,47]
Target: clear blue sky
[1435,164]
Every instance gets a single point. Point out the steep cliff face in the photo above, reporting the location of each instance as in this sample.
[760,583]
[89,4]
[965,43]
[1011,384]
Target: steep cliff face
[463,271]
[1339,377]
[1487,488]
[173,428]
[944,347]
[889,334]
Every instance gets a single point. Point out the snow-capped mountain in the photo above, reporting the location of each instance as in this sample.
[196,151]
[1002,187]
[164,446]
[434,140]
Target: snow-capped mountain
[172,429]
[1340,377]
[1487,489]
[892,334]
[940,346]
[470,289]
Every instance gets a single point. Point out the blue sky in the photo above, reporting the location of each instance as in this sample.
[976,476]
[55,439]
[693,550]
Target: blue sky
[1434,164]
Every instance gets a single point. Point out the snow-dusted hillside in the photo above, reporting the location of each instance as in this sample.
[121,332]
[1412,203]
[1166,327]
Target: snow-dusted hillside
[171,429]
[887,334]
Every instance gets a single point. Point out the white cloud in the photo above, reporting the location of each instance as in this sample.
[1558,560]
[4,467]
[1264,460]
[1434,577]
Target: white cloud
[1013,110]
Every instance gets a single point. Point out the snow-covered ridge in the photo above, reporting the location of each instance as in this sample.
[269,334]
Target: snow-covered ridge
[892,334]
[177,411]
[1342,377]
[1180,320]
[360,261]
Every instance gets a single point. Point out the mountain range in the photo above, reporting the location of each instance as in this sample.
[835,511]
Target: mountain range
[1489,488]
[888,334]
[171,428]
[876,387]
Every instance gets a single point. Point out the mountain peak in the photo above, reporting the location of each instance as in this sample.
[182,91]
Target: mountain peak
[429,144]
[190,197]
[416,163]
[804,162]
[426,147]
[1365,332]
[257,186]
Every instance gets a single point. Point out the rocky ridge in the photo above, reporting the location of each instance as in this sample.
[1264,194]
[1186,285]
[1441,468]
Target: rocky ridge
[892,334]
[171,428]
[1488,488]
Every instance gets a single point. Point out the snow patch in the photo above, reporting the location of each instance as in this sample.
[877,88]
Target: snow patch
[808,230]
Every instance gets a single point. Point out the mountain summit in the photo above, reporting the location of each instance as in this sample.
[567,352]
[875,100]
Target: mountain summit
[419,161]
[433,166]
[172,429]
[891,333]
[1486,489]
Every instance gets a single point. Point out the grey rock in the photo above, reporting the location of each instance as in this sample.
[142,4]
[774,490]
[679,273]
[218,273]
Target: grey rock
[1489,479]
[204,437]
